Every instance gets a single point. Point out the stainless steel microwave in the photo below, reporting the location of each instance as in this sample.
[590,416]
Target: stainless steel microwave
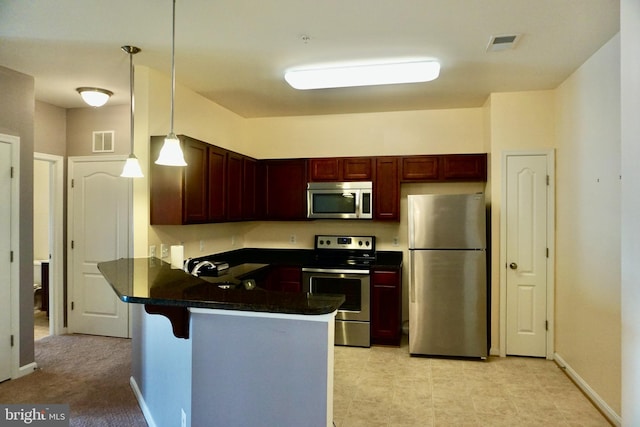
[340,200]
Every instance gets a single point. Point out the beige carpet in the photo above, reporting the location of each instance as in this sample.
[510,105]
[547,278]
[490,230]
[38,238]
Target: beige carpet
[89,373]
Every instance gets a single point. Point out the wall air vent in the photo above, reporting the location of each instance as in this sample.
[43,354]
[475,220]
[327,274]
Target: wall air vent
[503,42]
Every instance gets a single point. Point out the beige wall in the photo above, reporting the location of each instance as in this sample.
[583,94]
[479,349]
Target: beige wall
[630,100]
[588,222]
[40,210]
[517,121]
[17,107]
[372,134]
[50,129]
[82,122]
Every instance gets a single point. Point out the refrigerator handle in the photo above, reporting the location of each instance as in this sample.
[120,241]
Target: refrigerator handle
[412,287]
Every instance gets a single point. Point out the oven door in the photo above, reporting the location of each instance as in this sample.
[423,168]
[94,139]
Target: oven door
[353,284]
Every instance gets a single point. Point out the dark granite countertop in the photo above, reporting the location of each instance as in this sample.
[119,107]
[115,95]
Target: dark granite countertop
[153,282]
[299,257]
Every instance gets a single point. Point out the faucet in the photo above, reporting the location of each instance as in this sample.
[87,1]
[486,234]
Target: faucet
[202,264]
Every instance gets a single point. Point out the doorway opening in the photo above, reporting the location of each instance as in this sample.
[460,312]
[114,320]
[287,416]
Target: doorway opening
[48,240]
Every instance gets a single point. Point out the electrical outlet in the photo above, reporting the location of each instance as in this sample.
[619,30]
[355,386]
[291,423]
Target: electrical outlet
[152,251]
[292,238]
[164,250]
[396,241]
[201,245]
[183,418]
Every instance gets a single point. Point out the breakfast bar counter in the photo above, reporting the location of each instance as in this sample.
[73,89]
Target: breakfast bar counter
[231,354]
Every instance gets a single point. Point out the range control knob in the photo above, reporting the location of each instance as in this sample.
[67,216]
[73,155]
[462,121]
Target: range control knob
[359,242]
[367,243]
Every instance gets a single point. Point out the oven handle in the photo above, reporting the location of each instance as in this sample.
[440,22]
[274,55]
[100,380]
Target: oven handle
[333,271]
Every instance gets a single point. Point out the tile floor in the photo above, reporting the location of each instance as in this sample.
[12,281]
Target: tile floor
[40,324]
[384,386]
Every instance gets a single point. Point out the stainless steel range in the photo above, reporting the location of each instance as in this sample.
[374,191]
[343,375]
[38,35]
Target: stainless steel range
[342,265]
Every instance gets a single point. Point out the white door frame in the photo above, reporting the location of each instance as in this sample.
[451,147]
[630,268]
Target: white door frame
[56,242]
[14,288]
[550,154]
[71,162]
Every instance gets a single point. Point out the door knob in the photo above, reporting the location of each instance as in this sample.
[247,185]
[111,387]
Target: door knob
[513,266]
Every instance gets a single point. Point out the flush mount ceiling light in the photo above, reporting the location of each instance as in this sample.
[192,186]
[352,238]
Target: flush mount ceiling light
[171,153]
[365,74]
[94,96]
[132,165]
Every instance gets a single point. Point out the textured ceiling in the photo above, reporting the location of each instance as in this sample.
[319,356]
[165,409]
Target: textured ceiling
[235,52]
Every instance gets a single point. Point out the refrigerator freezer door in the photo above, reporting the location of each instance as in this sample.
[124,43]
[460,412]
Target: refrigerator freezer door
[452,221]
[448,303]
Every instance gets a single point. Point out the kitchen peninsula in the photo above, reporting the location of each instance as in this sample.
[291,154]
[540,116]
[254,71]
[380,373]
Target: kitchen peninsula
[231,355]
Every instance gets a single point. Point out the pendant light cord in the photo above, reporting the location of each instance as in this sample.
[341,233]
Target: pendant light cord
[131,94]
[173,64]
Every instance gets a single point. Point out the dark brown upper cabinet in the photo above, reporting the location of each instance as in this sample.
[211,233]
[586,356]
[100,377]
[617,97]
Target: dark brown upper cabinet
[444,167]
[281,189]
[386,188]
[341,169]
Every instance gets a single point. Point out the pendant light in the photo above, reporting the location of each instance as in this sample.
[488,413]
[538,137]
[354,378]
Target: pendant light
[132,166]
[171,154]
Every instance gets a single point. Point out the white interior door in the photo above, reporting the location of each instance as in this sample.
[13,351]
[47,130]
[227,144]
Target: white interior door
[5,260]
[99,228]
[526,255]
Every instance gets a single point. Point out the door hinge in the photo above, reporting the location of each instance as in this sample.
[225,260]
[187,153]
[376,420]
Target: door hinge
[72,244]
[11,256]
[11,340]
[11,171]
[546,325]
[72,305]
[73,182]
[547,179]
[547,252]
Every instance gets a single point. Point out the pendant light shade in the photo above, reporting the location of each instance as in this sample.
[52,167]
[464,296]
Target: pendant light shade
[94,96]
[132,165]
[171,153]
[132,168]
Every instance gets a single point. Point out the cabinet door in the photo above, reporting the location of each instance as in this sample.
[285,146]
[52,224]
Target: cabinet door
[357,169]
[248,188]
[286,189]
[420,168]
[234,186]
[324,169]
[286,278]
[387,189]
[386,307]
[217,183]
[194,204]
[464,167]
[165,188]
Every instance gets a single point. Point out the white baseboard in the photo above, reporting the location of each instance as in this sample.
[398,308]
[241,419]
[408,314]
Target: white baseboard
[141,402]
[26,370]
[591,393]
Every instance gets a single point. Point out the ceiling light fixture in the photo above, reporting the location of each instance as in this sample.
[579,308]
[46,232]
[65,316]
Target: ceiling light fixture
[171,154]
[364,74]
[94,96]
[132,165]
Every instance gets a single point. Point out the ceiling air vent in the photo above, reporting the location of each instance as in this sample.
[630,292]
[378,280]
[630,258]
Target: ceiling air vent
[502,42]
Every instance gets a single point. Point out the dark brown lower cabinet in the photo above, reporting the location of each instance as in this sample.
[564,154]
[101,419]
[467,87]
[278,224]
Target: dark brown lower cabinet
[287,278]
[386,306]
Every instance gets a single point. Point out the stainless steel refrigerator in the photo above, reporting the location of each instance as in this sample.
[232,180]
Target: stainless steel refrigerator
[448,275]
